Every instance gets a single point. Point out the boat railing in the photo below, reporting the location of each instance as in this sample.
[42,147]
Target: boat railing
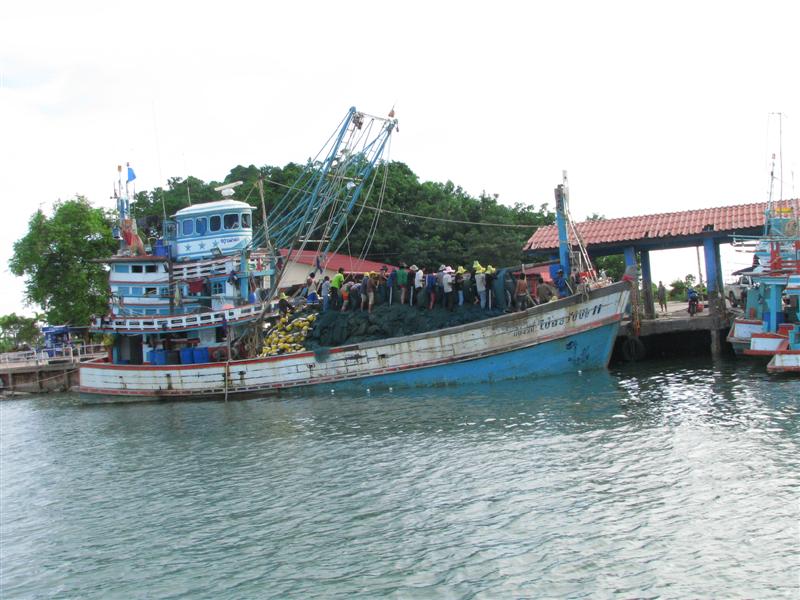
[191,321]
[196,270]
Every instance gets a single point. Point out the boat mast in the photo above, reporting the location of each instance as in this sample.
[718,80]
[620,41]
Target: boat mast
[562,208]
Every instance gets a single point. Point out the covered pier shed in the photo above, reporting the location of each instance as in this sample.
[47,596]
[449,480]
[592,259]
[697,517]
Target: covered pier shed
[638,236]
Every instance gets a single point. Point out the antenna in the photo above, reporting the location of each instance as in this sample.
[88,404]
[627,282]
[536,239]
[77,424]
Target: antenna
[780,116]
[227,189]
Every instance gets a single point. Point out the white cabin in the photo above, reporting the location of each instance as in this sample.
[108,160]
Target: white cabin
[213,229]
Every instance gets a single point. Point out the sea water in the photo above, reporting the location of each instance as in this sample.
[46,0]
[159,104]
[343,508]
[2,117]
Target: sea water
[666,479]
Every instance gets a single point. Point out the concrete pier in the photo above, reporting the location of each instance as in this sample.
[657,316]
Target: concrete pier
[39,373]
[701,334]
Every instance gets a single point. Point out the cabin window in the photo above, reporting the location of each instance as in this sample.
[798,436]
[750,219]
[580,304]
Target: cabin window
[151,311]
[164,291]
[215,223]
[201,225]
[232,221]
[188,227]
[123,291]
[150,291]
[121,269]
[217,287]
[136,291]
[245,220]
[150,268]
[137,269]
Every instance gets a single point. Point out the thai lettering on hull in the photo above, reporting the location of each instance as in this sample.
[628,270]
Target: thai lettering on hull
[551,322]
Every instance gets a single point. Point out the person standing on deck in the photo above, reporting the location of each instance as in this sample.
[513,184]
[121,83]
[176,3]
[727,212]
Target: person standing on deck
[402,281]
[311,285]
[458,285]
[561,284]
[521,292]
[412,284]
[325,290]
[382,289]
[419,284]
[363,289]
[336,289]
[369,291]
[447,287]
[430,287]
[662,297]
[467,288]
[480,284]
[490,279]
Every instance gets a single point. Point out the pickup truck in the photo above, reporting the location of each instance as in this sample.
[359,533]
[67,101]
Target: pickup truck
[736,292]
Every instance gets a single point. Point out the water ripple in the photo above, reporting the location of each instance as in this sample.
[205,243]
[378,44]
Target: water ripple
[666,482]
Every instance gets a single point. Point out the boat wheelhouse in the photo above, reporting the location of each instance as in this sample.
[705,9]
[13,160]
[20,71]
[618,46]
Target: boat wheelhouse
[212,229]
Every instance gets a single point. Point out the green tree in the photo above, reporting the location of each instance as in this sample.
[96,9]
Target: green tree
[449,233]
[677,290]
[16,330]
[613,265]
[57,256]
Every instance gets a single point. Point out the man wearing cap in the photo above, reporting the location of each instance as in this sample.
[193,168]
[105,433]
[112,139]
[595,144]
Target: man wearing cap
[480,283]
[419,284]
[447,287]
[336,285]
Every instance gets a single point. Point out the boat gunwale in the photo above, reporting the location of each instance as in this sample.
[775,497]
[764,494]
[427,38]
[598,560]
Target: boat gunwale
[499,319]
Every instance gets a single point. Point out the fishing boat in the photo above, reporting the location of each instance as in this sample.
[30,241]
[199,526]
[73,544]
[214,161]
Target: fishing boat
[190,318]
[770,326]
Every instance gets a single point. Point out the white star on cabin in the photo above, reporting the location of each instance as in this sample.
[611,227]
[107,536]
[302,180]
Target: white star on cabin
[188,247]
[202,245]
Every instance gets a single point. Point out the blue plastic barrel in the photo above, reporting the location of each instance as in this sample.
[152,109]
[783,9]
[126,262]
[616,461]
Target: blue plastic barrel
[150,356]
[159,357]
[187,356]
[201,355]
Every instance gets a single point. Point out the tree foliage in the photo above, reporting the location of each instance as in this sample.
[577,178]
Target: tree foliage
[56,258]
[16,331]
[57,255]
[451,233]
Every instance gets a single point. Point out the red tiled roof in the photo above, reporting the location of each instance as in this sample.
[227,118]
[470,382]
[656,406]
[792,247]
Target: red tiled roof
[335,261]
[664,225]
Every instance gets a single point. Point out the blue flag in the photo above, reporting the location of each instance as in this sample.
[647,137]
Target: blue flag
[131,174]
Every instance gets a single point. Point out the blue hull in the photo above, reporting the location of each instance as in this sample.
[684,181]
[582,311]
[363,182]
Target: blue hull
[581,352]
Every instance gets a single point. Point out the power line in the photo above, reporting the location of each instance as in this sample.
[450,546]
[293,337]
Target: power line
[441,219]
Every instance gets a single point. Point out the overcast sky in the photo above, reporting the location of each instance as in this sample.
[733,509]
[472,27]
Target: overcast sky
[651,107]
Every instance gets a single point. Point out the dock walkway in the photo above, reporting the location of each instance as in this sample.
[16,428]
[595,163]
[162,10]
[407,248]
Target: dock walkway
[44,371]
